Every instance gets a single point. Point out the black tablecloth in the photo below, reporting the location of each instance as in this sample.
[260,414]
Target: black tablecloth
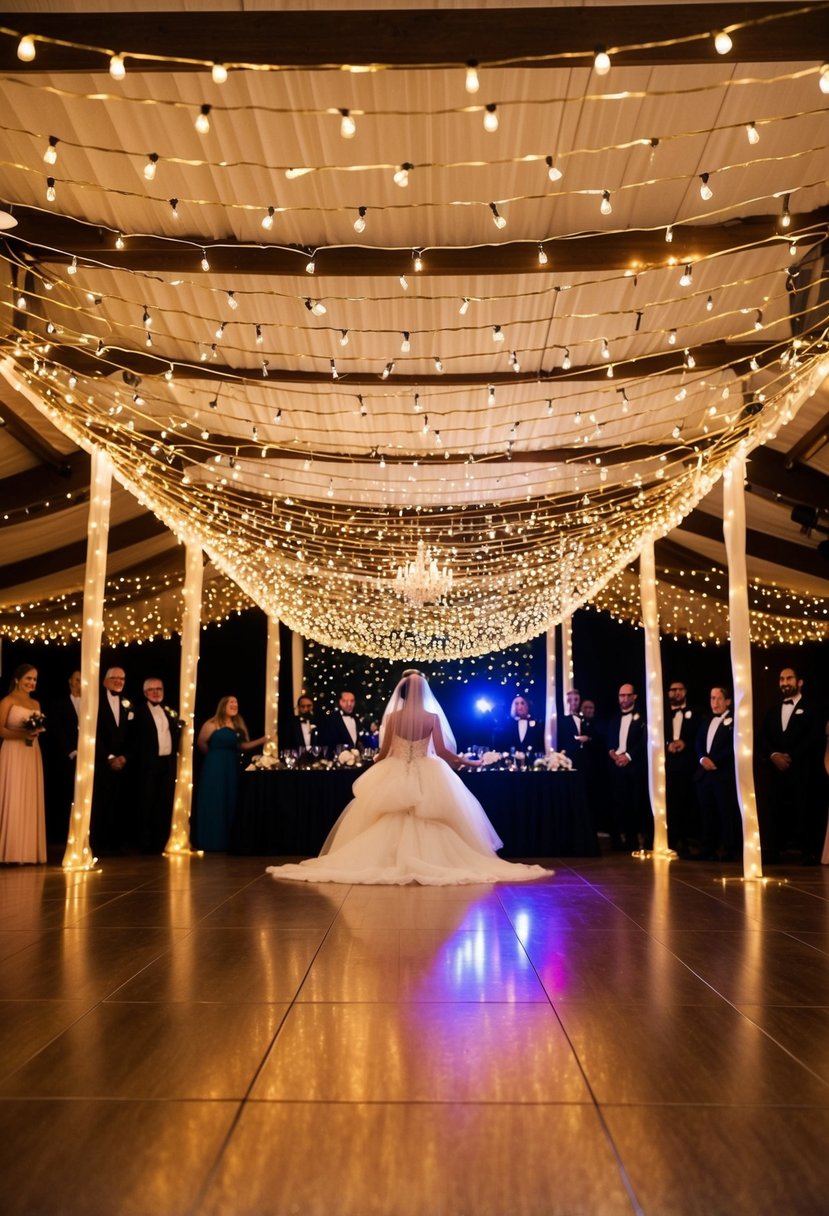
[289,813]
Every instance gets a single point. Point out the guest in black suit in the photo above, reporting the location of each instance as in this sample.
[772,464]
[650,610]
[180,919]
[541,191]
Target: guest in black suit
[681,729]
[110,828]
[631,825]
[521,733]
[154,754]
[716,781]
[573,735]
[303,729]
[62,742]
[342,728]
[791,740]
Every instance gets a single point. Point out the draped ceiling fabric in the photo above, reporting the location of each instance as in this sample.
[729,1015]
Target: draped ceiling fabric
[306,405]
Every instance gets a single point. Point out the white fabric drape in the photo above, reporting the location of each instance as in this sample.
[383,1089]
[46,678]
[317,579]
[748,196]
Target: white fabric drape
[78,855]
[179,841]
[734,531]
[272,656]
[550,715]
[654,706]
[567,674]
[297,666]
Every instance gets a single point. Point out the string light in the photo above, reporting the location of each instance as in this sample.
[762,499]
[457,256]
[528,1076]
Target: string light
[491,118]
[343,337]
[220,332]
[786,216]
[387,371]
[26,49]
[542,256]
[21,303]
[705,191]
[401,177]
[348,127]
[601,63]
[267,219]
[360,222]
[258,335]
[335,375]
[404,282]
[311,265]
[497,334]
[669,234]
[151,166]
[265,366]
[174,208]
[514,364]
[438,365]
[405,345]
[50,156]
[555,174]
[72,268]
[606,206]
[685,279]
[758,320]
[147,319]
[672,337]
[722,42]
[119,242]
[605,349]
[464,308]
[709,304]
[752,134]
[472,83]
[497,218]
[203,119]
[51,193]
[218,73]
[117,70]
[490,395]
[232,302]
[417,260]
[690,361]
[205,265]
[565,362]
[823,78]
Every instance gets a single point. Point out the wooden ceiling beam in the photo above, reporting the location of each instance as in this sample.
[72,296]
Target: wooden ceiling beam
[655,34]
[55,239]
[809,444]
[26,435]
[45,489]
[759,545]
[772,471]
[121,536]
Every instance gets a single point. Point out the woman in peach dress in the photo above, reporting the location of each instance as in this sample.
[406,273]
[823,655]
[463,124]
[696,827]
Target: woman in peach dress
[22,816]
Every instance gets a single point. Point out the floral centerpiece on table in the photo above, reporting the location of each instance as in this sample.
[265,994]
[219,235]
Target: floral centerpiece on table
[554,762]
[349,757]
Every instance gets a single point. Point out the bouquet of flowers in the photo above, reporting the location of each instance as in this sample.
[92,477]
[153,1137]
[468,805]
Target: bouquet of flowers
[35,721]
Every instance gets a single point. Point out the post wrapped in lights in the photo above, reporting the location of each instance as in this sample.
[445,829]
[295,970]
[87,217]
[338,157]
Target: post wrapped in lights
[550,714]
[567,675]
[78,855]
[179,839]
[421,581]
[272,655]
[653,699]
[734,531]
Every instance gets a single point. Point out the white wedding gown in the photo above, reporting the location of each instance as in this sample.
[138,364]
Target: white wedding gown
[412,819]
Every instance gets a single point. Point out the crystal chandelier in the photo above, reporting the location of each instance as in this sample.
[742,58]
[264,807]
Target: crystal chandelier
[421,582]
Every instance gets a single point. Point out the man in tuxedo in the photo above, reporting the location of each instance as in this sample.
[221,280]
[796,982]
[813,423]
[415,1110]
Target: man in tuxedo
[681,729]
[791,740]
[110,828]
[154,753]
[573,734]
[521,733]
[62,741]
[631,825]
[303,728]
[342,728]
[716,782]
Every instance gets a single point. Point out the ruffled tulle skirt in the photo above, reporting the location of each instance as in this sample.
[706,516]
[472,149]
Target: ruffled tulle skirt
[411,821]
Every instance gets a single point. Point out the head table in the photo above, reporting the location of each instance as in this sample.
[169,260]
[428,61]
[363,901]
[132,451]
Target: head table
[289,812]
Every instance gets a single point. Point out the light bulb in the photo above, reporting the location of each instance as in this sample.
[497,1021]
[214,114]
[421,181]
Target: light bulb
[418,261]
[516,366]
[752,133]
[605,349]
[758,320]
[472,84]
[218,73]
[497,218]
[566,364]
[404,282]
[232,302]
[150,167]
[491,118]
[786,217]
[360,222]
[203,120]
[318,308]
[690,361]
[705,191]
[464,308]
[542,256]
[606,205]
[50,156]
[220,332]
[722,43]
[823,78]
[669,234]
[685,279]
[497,333]
[672,337]
[174,208]
[601,63]
[405,345]
[793,249]
[72,268]
[147,319]
[258,332]
[348,127]
[50,190]
[387,371]
[311,265]
[267,219]
[438,365]
[343,337]
[21,303]
[335,375]
[26,49]
[490,397]
[116,67]
[554,174]
[119,242]
[205,265]
[401,177]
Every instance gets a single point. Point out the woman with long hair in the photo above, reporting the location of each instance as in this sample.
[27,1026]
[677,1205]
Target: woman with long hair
[412,819]
[22,815]
[220,741]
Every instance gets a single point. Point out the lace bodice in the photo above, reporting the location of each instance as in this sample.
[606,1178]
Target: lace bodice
[410,749]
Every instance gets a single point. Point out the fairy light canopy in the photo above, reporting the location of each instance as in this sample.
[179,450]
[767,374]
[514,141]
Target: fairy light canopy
[318,317]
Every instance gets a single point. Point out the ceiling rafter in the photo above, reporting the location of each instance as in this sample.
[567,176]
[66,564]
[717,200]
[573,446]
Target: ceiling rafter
[653,34]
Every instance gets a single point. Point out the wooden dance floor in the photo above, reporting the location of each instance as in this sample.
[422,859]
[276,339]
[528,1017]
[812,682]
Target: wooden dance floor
[190,1036]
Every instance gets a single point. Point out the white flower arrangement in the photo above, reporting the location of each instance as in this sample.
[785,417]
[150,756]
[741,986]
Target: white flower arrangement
[348,757]
[558,762]
[263,762]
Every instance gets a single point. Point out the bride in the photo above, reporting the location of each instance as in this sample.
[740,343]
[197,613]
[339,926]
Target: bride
[412,819]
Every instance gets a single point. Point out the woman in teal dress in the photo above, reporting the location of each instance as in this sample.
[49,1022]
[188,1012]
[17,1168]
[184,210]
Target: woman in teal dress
[220,741]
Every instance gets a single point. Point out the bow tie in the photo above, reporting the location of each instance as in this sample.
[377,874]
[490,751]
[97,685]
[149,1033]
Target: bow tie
[345,715]
[305,719]
[717,715]
[788,701]
[680,710]
[626,713]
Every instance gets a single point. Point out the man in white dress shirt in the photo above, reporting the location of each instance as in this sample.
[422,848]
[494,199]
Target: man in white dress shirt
[155,750]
